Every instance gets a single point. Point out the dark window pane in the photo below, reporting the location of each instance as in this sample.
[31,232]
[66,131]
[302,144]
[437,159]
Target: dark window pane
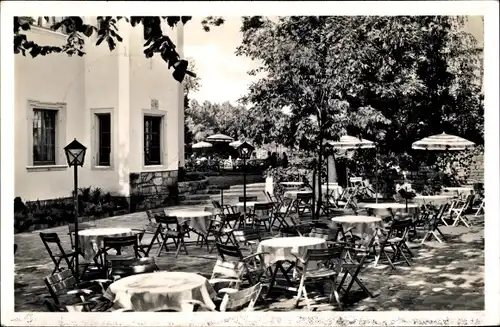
[104,134]
[44,137]
[152,140]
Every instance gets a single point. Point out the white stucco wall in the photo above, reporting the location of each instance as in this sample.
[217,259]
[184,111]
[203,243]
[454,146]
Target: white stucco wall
[120,81]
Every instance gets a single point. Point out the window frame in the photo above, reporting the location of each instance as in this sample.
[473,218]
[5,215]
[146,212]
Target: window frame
[60,135]
[94,118]
[55,119]
[163,153]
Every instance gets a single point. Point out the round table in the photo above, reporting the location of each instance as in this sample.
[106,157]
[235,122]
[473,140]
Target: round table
[459,190]
[432,199]
[382,209]
[160,291]
[364,226]
[293,194]
[91,240]
[249,204]
[197,219]
[281,248]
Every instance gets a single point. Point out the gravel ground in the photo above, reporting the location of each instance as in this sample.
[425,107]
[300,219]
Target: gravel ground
[446,276]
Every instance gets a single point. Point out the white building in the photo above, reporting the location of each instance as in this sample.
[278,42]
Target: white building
[126,109]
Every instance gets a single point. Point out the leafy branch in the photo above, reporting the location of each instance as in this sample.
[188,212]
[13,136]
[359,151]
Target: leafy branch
[106,30]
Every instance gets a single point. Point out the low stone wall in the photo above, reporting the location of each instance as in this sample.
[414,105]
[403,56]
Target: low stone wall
[153,189]
[191,187]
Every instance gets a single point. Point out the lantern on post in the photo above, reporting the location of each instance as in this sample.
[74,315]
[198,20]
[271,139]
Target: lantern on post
[245,150]
[75,155]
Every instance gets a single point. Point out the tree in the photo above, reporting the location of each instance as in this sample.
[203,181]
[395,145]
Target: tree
[191,84]
[305,70]
[156,41]
[209,118]
[390,79]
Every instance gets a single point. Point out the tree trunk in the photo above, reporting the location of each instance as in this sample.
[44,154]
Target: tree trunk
[319,170]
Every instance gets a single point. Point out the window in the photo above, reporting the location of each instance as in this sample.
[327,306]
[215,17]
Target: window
[152,140]
[44,137]
[104,139]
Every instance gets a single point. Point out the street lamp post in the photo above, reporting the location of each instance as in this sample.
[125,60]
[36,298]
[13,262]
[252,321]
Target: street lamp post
[245,151]
[75,155]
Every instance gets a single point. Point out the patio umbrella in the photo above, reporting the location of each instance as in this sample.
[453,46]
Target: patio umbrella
[235,144]
[443,142]
[347,143]
[219,138]
[202,145]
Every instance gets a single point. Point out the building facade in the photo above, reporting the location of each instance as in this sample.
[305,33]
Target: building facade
[126,109]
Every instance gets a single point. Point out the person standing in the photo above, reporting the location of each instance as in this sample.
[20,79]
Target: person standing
[284,160]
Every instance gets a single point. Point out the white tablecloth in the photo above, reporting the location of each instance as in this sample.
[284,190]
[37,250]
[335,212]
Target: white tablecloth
[91,240]
[432,199]
[281,248]
[382,209]
[196,219]
[160,291]
[335,189]
[463,190]
[365,226]
[293,194]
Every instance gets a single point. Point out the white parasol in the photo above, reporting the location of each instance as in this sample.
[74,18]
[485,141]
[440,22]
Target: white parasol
[443,142]
[348,142]
[219,138]
[202,145]
[235,144]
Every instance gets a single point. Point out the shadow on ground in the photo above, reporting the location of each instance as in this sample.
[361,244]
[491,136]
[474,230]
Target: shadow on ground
[447,276]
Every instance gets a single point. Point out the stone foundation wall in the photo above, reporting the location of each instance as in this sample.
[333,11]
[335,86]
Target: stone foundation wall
[153,189]
[192,187]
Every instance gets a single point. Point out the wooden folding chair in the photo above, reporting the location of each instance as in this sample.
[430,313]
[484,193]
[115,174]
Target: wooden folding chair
[149,237]
[282,211]
[233,301]
[252,265]
[347,198]
[152,213]
[460,209]
[480,209]
[172,229]
[319,265]
[121,268]
[304,203]
[67,295]
[118,243]
[262,215]
[223,209]
[223,231]
[396,241]
[57,258]
[433,221]
[353,262]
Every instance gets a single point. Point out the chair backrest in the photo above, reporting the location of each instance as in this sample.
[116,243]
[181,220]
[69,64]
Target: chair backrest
[128,267]
[236,300]
[231,219]
[399,228]
[330,257]
[59,283]
[263,208]
[227,252]
[245,235]
[304,197]
[167,221]
[52,238]
[153,213]
[119,242]
[152,227]
[248,199]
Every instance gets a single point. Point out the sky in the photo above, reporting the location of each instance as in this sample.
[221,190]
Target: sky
[224,75]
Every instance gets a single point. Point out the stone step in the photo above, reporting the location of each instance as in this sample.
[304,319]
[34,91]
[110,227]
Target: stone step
[195,202]
[197,197]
